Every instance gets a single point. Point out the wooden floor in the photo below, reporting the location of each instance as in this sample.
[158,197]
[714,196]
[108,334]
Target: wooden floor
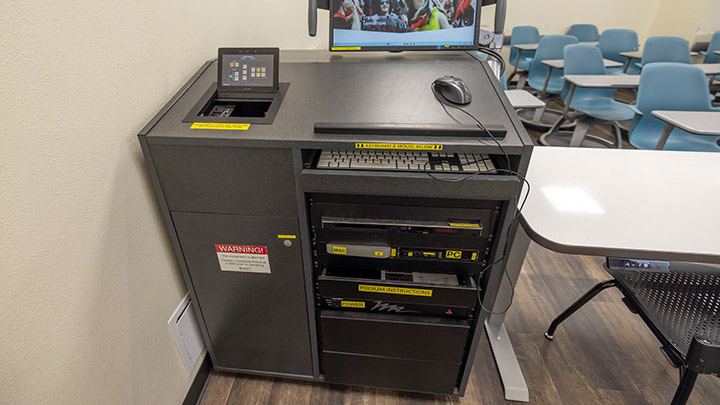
[601,355]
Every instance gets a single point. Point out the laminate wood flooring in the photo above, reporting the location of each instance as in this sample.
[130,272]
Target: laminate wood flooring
[603,354]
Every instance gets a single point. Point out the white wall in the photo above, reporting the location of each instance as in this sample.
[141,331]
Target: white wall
[88,275]
[710,23]
[88,278]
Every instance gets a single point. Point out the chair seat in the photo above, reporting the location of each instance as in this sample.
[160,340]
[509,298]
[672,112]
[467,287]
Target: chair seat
[524,63]
[647,134]
[603,109]
[681,304]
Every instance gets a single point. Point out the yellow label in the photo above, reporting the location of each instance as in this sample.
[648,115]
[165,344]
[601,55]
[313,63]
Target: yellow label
[220,125]
[379,253]
[410,254]
[453,254]
[287,236]
[428,253]
[464,225]
[474,256]
[346,48]
[352,304]
[338,250]
[394,290]
[393,252]
[404,146]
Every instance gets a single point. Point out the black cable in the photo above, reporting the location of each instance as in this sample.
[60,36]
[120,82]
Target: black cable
[515,218]
[495,55]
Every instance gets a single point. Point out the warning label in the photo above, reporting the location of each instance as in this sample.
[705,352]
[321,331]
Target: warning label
[247,259]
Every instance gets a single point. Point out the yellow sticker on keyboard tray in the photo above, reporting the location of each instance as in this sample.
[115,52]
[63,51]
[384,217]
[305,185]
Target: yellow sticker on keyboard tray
[398,146]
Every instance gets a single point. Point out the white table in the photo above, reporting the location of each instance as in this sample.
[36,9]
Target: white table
[560,64]
[695,122]
[610,202]
[523,99]
[534,47]
[717,52]
[630,55]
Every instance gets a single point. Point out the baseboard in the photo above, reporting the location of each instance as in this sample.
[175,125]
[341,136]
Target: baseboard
[198,385]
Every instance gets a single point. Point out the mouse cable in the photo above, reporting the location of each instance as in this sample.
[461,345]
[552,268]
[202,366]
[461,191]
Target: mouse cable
[495,55]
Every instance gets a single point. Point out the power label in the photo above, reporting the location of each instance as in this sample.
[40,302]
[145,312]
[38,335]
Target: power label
[394,290]
[221,126]
[242,258]
[353,304]
[399,146]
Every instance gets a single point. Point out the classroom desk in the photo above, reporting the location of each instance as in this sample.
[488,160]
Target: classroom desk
[609,202]
[523,99]
[533,47]
[630,55]
[560,64]
[695,122]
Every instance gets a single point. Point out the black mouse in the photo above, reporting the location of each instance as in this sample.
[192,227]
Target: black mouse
[452,89]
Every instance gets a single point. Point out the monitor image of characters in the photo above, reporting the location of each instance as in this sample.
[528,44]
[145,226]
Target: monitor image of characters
[401,16]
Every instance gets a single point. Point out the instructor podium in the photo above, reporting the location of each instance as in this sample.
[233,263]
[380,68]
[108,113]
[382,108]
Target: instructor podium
[359,277]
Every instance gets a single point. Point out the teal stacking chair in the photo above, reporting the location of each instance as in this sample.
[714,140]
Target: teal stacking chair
[597,105]
[672,87]
[550,47]
[666,49]
[522,35]
[614,41]
[714,45]
[585,32]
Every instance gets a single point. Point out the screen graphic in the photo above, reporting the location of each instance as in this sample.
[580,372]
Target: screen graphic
[247,70]
[436,24]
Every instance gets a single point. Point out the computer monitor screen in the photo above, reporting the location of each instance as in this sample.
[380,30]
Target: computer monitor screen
[371,25]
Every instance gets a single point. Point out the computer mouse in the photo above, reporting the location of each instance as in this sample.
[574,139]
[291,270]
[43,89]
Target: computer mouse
[452,89]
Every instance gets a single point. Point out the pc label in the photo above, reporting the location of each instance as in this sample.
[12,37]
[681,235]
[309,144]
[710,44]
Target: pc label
[244,259]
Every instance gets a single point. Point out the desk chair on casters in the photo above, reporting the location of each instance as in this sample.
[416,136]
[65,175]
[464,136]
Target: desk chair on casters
[584,32]
[550,47]
[597,105]
[681,306]
[521,59]
[614,41]
[671,87]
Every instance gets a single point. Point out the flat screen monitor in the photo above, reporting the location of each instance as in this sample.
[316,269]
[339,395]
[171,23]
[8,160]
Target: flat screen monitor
[396,25]
[247,70]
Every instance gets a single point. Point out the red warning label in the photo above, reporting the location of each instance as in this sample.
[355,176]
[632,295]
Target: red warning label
[243,258]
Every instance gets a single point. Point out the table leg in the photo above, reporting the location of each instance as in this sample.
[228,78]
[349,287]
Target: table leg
[664,137]
[547,81]
[507,364]
[627,64]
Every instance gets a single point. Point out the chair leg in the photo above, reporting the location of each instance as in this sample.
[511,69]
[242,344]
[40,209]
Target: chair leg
[618,134]
[577,305]
[687,382]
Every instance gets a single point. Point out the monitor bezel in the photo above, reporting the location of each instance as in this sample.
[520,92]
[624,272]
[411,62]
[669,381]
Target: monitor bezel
[225,91]
[474,46]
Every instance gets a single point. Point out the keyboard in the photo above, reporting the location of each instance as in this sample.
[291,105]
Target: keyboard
[405,161]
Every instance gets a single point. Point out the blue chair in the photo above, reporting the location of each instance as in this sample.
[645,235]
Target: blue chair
[714,45]
[673,87]
[666,49]
[550,47]
[614,41]
[584,32]
[522,35]
[597,105]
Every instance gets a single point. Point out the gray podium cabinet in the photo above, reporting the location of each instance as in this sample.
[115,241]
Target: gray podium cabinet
[236,206]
